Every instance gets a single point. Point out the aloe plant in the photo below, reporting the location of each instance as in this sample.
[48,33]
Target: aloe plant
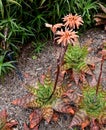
[92,106]
[76,59]
[45,105]
[4,123]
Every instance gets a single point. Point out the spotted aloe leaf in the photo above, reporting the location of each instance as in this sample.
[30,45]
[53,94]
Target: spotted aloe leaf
[73,96]
[28,100]
[103,53]
[76,76]
[92,60]
[84,80]
[95,125]
[27,128]
[55,117]
[39,94]
[47,112]
[4,123]
[62,107]
[83,67]
[3,118]
[35,118]
[79,119]
[102,118]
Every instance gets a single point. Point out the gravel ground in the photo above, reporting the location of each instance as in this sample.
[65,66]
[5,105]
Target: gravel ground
[31,69]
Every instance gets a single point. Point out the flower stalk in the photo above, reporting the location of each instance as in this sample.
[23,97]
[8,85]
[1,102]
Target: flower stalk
[100,74]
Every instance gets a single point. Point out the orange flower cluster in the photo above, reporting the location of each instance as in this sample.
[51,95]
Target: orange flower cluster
[73,21]
[67,35]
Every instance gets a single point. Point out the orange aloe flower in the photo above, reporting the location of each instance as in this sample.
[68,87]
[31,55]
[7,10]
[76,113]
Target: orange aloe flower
[67,36]
[54,27]
[73,21]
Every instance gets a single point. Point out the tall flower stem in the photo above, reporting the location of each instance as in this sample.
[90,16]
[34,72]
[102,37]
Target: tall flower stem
[59,63]
[56,80]
[100,74]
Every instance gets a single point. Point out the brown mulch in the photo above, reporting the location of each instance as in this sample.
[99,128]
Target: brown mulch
[31,69]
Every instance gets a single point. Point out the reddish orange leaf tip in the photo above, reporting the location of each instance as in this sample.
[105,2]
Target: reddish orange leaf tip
[14,102]
[71,111]
[55,117]
[26,127]
[85,124]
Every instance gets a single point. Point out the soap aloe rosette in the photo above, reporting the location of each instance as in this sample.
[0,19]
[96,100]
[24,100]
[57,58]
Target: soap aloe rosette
[45,105]
[92,108]
[77,60]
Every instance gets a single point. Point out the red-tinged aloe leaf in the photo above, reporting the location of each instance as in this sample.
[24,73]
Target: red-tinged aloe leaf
[31,89]
[103,52]
[11,124]
[83,80]
[102,118]
[93,82]
[92,60]
[3,118]
[47,113]
[42,79]
[65,67]
[3,115]
[68,92]
[78,118]
[34,104]
[84,68]
[24,100]
[66,99]
[68,109]
[73,96]
[60,78]
[94,125]
[62,107]
[55,117]
[35,118]
[60,91]
[46,78]
[85,124]
[76,77]
[35,128]
[4,123]
[26,127]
